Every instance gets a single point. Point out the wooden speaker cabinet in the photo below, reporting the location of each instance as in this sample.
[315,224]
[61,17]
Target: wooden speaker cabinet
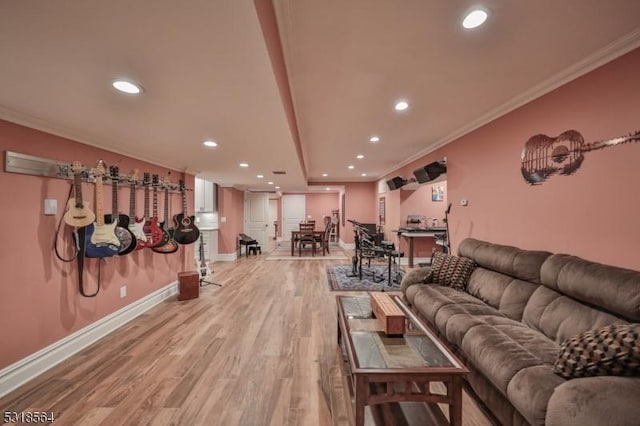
[189,283]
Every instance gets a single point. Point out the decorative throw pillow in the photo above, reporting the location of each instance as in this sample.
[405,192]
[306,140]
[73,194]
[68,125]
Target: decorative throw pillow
[452,271]
[613,350]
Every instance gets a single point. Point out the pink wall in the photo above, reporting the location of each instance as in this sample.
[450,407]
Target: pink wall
[318,205]
[231,207]
[592,213]
[42,303]
[361,201]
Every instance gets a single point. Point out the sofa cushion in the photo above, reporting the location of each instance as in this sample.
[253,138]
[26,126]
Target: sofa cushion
[560,317]
[429,299]
[522,264]
[610,288]
[500,351]
[530,390]
[459,324]
[452,271]
[507,294]
[608,351]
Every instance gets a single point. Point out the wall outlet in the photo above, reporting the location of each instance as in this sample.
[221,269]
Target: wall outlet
[223,219]
[464,202]
[123,291]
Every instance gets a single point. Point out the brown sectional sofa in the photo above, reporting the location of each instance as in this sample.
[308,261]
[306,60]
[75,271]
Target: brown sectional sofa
[519,306]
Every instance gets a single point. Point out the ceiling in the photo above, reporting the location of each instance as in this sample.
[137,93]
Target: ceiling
[305,102]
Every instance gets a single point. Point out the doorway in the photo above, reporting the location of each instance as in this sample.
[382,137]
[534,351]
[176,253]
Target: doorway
[293,212]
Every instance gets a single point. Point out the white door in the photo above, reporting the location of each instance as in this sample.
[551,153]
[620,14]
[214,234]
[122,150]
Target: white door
[273,217]
[293,212]
[256,216]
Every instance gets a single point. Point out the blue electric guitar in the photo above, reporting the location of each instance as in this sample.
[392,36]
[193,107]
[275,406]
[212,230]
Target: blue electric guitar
[101,239]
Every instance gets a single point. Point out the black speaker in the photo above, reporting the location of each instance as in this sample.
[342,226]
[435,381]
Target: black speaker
[429,172]
[395,183]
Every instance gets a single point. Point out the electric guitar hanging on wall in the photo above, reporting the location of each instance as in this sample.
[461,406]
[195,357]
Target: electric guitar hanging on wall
[126,237]
[136,225]
[151,229]
[544,156]
[171,246]
[101,239]
[78,213]
[186,232]
[165,235]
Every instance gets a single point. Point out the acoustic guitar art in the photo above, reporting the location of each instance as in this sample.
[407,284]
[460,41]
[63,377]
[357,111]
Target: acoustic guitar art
[544,156]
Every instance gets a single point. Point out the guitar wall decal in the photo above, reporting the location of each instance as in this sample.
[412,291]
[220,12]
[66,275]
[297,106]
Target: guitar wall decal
[78,213]
[171,246]
[101,240]
[151,228]
[127,239]
[544,156]
[186,232]
[136,225]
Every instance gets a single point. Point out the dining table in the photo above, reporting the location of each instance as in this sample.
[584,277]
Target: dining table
[296,232]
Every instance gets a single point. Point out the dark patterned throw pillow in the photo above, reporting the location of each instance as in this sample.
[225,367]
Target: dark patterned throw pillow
[452,271]
[613,350]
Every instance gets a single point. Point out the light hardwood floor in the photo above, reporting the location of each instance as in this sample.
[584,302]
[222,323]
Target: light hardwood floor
[261,350]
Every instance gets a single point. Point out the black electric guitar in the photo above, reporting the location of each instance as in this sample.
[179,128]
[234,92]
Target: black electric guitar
[186,231]
[78,213]
[155,183]
[544,156]
[171,246]
[127,239]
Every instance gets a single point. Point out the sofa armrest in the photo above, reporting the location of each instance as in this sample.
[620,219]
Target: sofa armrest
[602,400]
[415,276]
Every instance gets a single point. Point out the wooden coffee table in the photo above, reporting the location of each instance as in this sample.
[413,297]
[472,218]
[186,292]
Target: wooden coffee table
[387,369]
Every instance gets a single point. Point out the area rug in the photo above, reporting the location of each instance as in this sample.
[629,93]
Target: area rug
[283,252]
[374,278]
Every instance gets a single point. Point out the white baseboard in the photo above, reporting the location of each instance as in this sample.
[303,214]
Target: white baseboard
[37,363]
[226,257]
[345,246]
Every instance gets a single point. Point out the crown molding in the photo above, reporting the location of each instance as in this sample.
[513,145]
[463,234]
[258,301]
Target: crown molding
[45,126]
[601,57]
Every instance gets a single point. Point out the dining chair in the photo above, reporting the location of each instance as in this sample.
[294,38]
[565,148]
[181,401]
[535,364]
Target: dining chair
[306,236]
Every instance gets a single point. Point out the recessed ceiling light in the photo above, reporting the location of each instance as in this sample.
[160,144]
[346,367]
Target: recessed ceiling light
[324,175]
[259,176]
[269,183]
[475,18]
[359,156]
[351,167]
[401,105]
[328,189]
[363,174]
[128,87]
[374,139]
[277,187]
[244,165]
[210,143]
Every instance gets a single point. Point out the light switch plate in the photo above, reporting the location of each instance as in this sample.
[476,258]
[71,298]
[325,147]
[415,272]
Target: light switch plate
[50,207]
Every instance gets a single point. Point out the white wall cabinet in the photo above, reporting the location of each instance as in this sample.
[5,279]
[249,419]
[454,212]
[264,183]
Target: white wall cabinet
[204,196]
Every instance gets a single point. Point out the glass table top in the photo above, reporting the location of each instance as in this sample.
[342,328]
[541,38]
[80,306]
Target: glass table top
[417,348]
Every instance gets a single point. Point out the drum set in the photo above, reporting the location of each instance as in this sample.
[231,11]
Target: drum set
[368,247]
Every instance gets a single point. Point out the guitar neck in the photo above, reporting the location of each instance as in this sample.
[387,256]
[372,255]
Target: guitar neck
[184,201]
[132,202]
[99,202]
[633,137]
[114,198]
[155,201]
[166,205]
[146,202]
[77,182]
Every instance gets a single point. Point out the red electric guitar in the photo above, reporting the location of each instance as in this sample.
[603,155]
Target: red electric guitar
[151,228]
